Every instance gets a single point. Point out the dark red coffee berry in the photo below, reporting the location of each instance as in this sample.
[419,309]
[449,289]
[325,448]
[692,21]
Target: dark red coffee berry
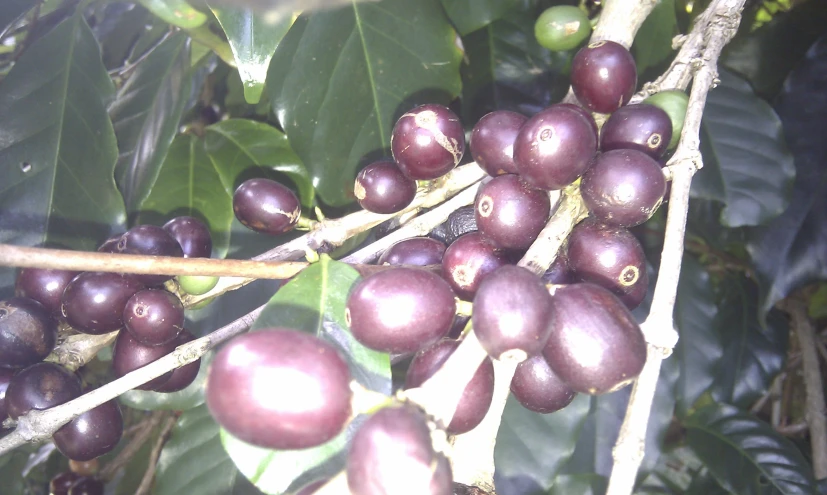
[181,377]
[60,484]
[595,345]
[512,313]
[39,387]
[5,378]
[559,272]
[468,261]
[110,245]
[492,141]
[192,235]
[128,355]
[603,76]
[416,251]
[538,389]
[428,141]
[642,127]
[86,486]
[555,147]
[154,316]
[27,332]
[265,206]
[476,398]
[44,286]
[610,257]
[150,240]
[400,310]
[93,302]
[381,187]
[585,113]
[280,389]
[623,187]
[509,213]
[84,468]
[92,434]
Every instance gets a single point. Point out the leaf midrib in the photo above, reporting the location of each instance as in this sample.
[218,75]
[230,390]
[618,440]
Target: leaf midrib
[371,78]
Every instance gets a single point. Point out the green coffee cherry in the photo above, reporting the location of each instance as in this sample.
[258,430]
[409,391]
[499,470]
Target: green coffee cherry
[673,102]
[196,284]
[562,28]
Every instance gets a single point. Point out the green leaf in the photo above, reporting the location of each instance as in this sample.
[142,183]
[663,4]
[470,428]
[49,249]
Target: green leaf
[11,11]
[470,15]
[146,113]
[746,162]
[673,474]
[253,38]
[745,455]
[183,400]
[11,465]
[579,484]
[817,306]
[653,42]
[176,12]
[119,28]
[350,73]
[57,147]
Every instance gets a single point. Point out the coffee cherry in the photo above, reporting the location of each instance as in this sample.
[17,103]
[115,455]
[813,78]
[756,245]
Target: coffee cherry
[181,377]
[595,344]
[562,27]
[476,398]
[509,213]
[674,103]
[280,389]
[623,187]
[559,272]
[27,332]
[400,310]
[39,387]
[86,486]
[427,142]
[265,206]
[128,355]
[381,187]
[468,261]
[93,302]
[44,286]
[84,468]
[512,313]
[110,245]
[585,113]
[150,240]
[538,389]
[460,222]
[610,257]
[392,453]
[60,484]
[416,251]
[154,316]
[642,127]
[92,434]
[554,147]
[192,235]
[5,378]
[492,141]
[197,285]
[603,76]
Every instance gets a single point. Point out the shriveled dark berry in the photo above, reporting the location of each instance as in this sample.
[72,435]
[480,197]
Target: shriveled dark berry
[39,387]
[128,355]
[603,76]
[538,388]
[28,332]
[265,206]
[400,310]
[92,434]
[510,214]
[150,240]
[44,286]
[93,302]
[192,235]
[623,187]
[60,484]
[492,141]
[428,141]
[476,398]
[181,377]
[642,127]
[280,389]
[468,261]
[554,147]
[154,316]
[381,187]
[416,251]
[460,222]
[5,378]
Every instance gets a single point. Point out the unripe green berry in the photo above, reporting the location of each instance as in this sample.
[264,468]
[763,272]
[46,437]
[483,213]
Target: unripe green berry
[562,28]
[674,103]
[197,284]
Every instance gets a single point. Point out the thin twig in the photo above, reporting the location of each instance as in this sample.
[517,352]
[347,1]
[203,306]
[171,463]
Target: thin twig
[147,426]
[155,453]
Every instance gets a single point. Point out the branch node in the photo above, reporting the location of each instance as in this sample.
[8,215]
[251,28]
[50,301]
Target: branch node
[678,41]
[660,333]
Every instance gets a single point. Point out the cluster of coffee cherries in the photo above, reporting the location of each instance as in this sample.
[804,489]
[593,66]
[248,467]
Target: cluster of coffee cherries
[79,480]
[96,303]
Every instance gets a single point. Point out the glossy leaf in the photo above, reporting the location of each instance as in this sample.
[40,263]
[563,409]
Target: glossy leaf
[753,354]
[146,113]
[791,251]
[673,474]
[745,455]
[11,467]
[118,29]
[57,147]
[183,400]
[176,12]
[747,166]
[470,15]
[11,11]
[253,38]
[349,74]
[653,42]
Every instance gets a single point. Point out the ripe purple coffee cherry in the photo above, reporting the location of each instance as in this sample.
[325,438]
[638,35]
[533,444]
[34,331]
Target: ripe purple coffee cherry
[623,187]
[128,355]
[92,434]
[559,272]
[181,377]
[93,302]
[585,113]
[150,240]
[381,187]
[44,286]
[60,484]
[110,245]
[86,486]
[154,316]
[476,398]
[555,147]
[538,388]
[27,332]
[416,251]
[492,141]
[400,310]
[265,206]
[595,345]
[5,378]
[39,387]
[428,141]
[509,213]
[467,262]
[192,235]
[603,76]
[642,127]
[512,313]
[280,389]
